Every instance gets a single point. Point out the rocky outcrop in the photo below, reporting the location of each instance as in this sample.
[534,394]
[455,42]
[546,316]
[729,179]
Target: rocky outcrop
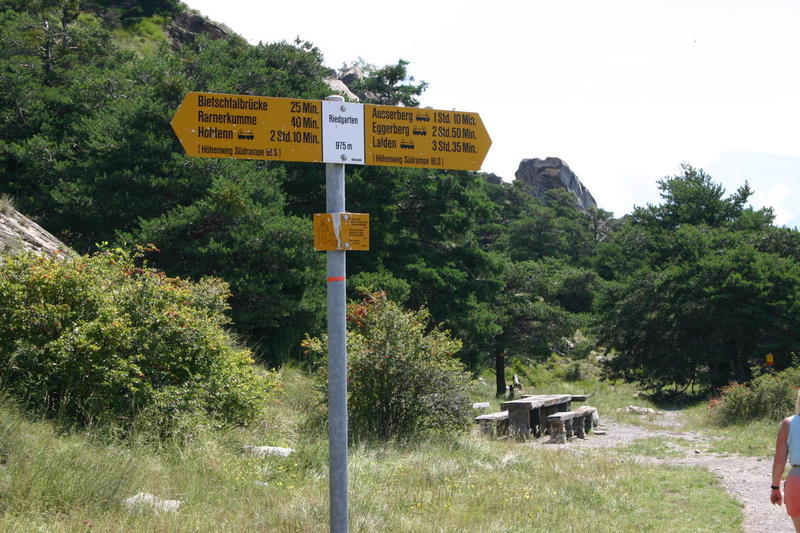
[493,178]
[187,26]
[18,233]
[349,79]
[338,86]
[352,75]
[542,175]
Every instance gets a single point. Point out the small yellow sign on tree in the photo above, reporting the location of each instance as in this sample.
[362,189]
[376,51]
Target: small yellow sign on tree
[341,231]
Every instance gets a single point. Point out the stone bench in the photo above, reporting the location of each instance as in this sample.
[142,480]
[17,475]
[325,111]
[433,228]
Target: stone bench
[493,423]
[567,424]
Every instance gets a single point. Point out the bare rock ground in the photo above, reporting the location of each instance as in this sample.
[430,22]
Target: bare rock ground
[746,478]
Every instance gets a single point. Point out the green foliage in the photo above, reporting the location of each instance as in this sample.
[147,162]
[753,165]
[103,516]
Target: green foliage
[88,152]
[131,12]
[694,198]
[534,324]
[694,289]
[396,289]
[403,378]
[144,36]
[428,238]
[231,65]
[237,231]
[769,396]
[100,339]
[553,229]
[388,85]
[704,298]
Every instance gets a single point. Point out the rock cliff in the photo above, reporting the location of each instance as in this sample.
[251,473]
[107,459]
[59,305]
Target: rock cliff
[18,233]
[187,26]
[541,175]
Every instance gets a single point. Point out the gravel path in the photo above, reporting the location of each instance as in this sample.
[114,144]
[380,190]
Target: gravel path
[745,478]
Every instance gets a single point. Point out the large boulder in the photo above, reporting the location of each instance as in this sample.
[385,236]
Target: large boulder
[338,86]
[350,78]
[542,175]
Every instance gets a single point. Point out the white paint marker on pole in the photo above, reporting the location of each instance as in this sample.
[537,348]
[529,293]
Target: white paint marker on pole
[337,345]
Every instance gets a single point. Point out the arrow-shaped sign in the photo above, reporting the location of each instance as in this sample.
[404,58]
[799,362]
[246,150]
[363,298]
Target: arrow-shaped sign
[287,129]
[430,138]
[249,127]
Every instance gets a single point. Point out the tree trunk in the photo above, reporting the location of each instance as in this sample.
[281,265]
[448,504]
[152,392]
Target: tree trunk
[500,372]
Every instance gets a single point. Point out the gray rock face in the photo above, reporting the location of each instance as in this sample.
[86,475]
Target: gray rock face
[187,26]
[340,87]
[352,75]
[350,78]
[18,233]
[543,175]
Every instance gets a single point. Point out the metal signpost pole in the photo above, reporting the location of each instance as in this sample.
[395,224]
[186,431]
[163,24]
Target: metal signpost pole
[314,131]
[337,356]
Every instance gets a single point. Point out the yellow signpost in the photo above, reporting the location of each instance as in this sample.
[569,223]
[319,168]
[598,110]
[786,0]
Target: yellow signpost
[249,127]
[427,138]
[289,129]
[336,133]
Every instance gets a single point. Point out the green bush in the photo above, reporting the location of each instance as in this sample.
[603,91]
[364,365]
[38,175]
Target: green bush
[99,339]
[403,378]
[769,396]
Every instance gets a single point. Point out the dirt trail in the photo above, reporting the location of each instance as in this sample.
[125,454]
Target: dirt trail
[746,478]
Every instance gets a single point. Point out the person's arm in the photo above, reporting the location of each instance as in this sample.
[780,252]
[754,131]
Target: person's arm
[779,462]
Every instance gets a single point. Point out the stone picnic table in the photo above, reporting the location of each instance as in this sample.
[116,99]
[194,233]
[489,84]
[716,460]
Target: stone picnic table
[529,414]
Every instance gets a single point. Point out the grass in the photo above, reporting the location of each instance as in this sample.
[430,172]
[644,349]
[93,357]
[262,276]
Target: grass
[76,483]
[6,203]
[755,438]
[658,447]
[142,38]
[504,486]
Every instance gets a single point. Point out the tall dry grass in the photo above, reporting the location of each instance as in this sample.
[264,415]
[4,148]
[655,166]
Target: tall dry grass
[76,483]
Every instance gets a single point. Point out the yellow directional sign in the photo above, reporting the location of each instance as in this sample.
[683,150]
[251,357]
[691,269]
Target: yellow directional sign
[249,127]
[313,131]
[429,138]
[341,231]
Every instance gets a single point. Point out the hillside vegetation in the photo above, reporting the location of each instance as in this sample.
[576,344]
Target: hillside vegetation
[88,152]
[191,322]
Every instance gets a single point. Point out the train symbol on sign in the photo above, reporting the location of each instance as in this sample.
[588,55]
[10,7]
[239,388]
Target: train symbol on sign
[419,131]
[408,145]
[246,135]
[423,117]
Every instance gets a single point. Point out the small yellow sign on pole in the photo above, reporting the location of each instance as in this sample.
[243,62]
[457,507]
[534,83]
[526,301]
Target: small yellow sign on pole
[341,231]
[770,359]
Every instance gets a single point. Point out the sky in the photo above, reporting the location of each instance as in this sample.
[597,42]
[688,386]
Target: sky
[624,91]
